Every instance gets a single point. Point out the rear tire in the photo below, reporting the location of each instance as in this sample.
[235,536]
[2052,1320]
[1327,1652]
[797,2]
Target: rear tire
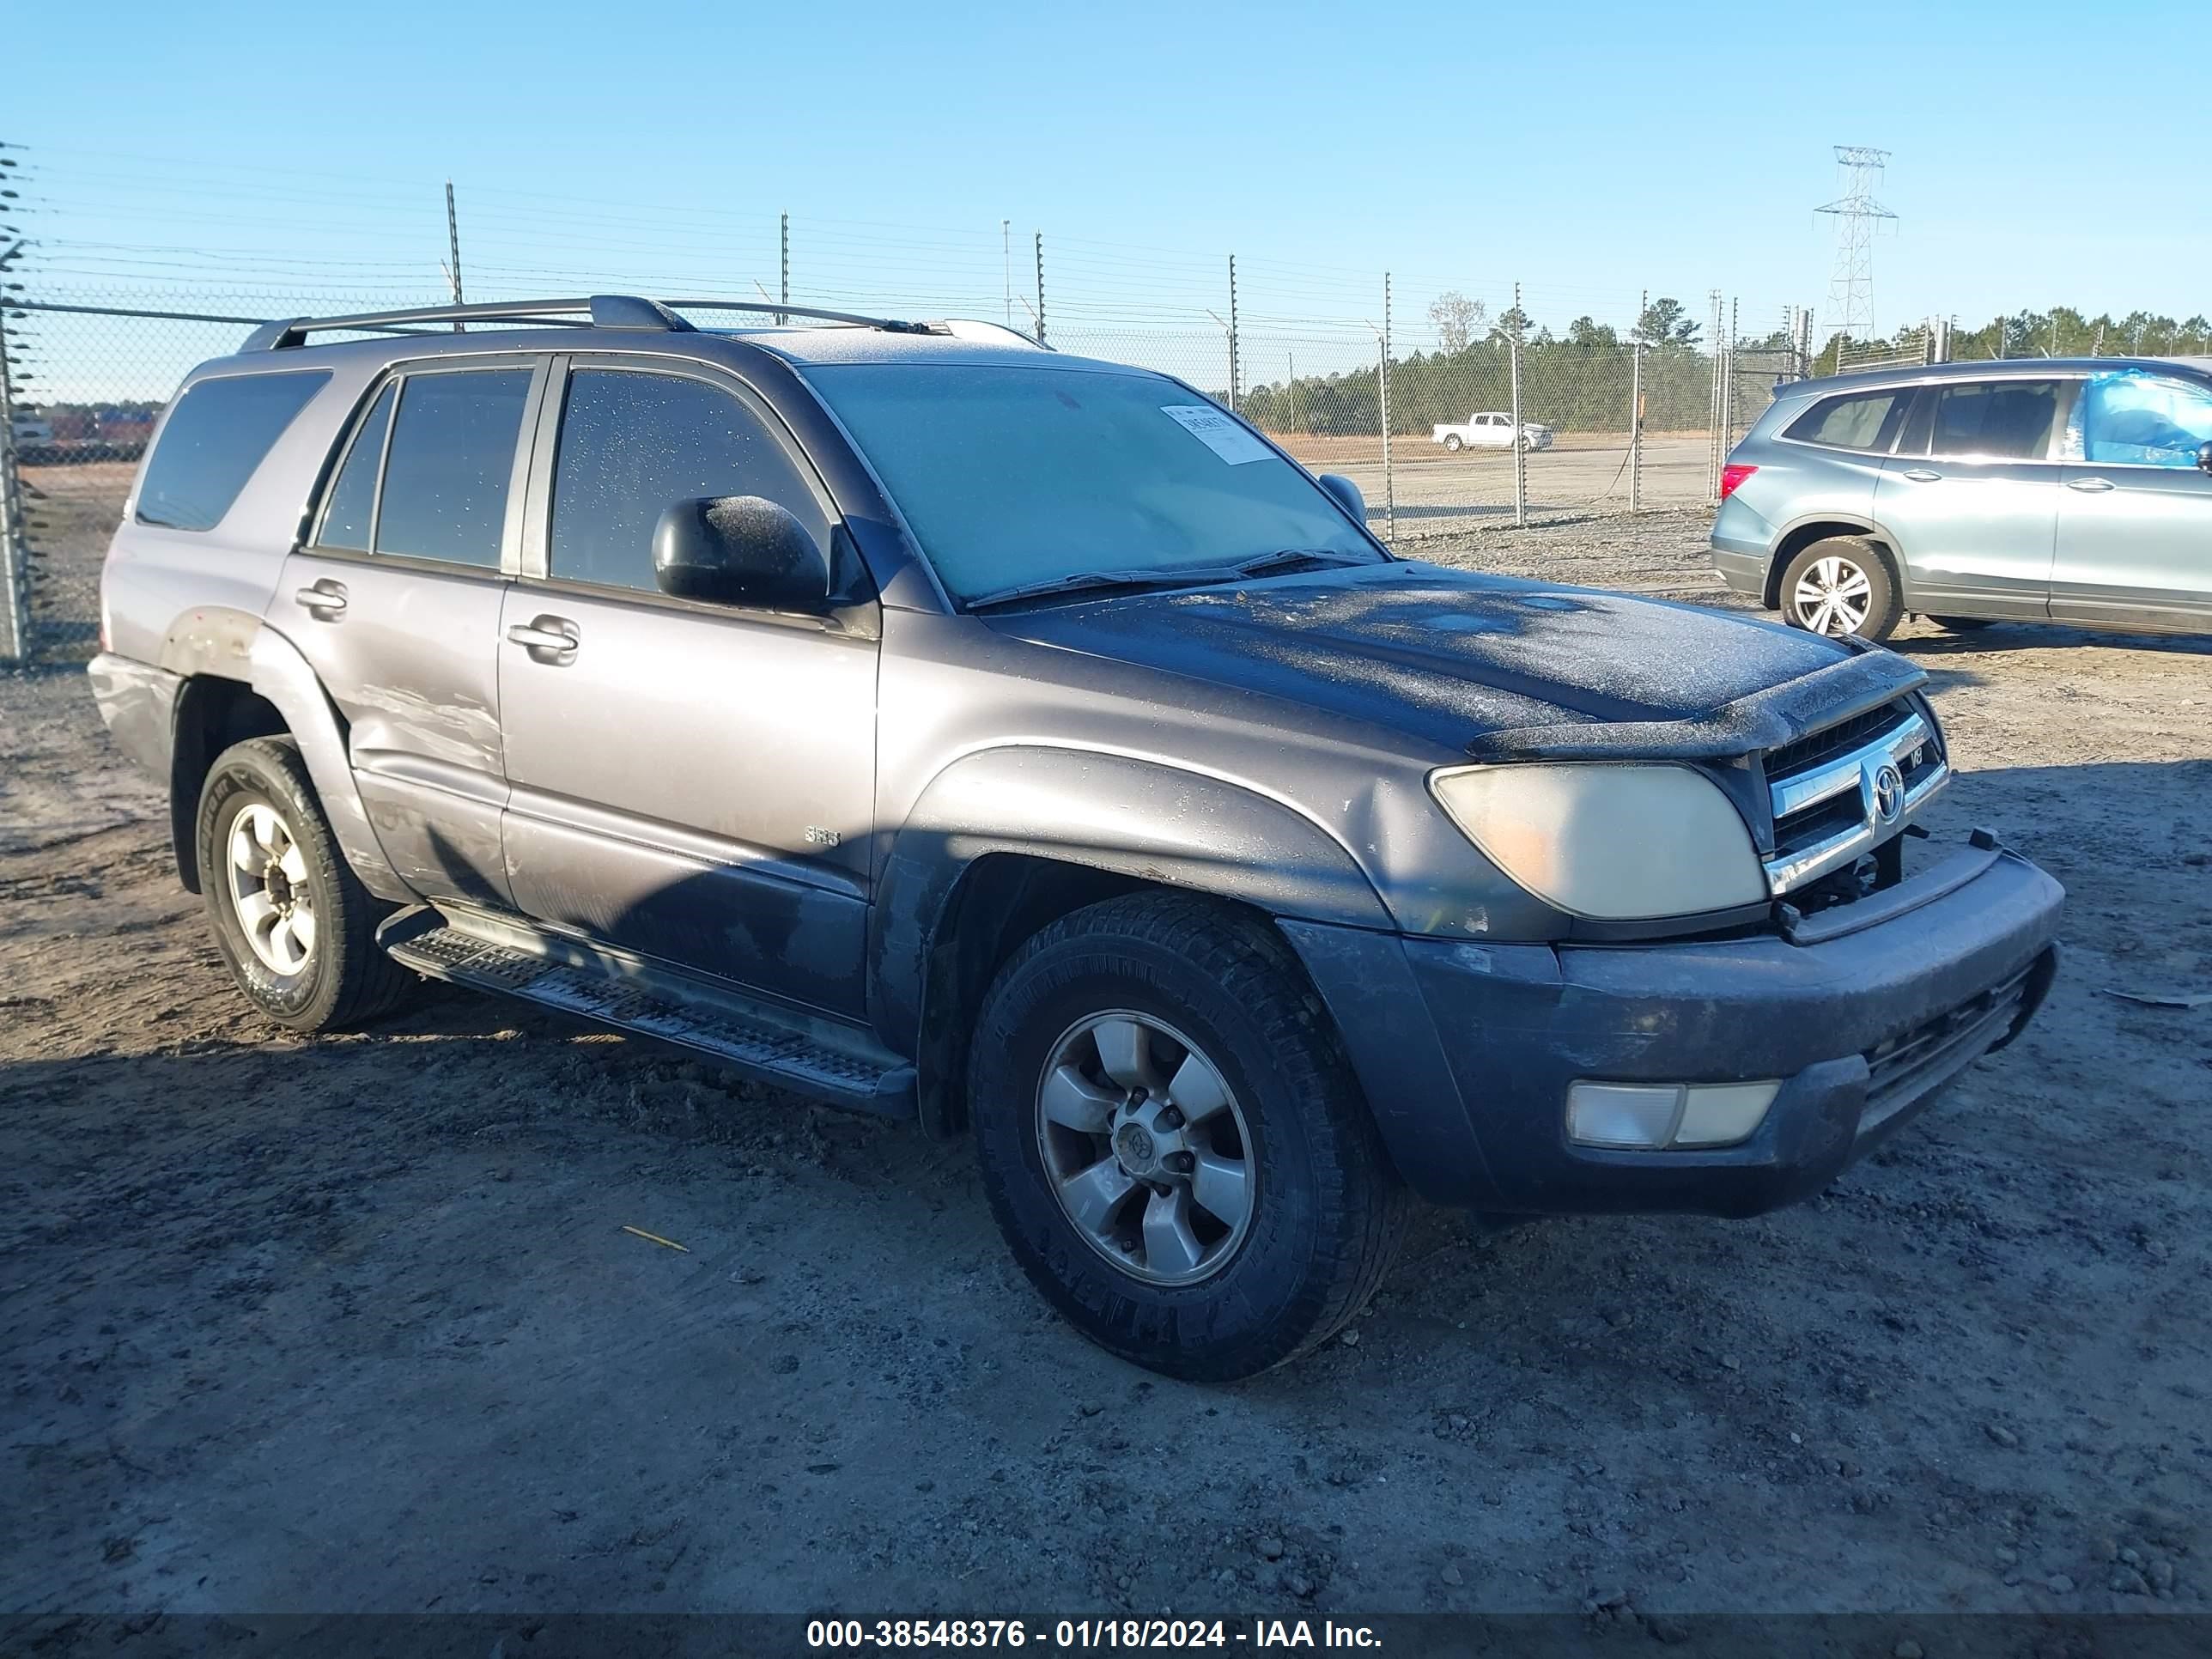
[1453,444]
[1289,1214]
[292,921]
[1841,585]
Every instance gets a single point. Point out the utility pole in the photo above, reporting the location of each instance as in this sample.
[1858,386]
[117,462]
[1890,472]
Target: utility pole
[454,247]
[1040,280]
[783,268]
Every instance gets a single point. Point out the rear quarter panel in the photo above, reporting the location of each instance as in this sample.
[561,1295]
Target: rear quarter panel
[1794,484]
[181,598]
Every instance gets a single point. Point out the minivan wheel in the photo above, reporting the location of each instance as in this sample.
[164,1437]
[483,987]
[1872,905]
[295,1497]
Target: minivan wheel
[1841,585]
[297,927]
[1172,1141]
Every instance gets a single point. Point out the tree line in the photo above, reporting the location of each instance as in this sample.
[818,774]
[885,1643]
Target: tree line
[1578,382]
[2061,331]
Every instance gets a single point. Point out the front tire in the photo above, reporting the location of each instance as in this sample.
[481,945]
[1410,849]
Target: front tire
[297,927]
[1453,444]
[1172,1141]
[1841,585]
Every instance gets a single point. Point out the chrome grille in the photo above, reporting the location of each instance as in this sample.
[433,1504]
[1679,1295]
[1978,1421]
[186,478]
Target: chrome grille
[1840,792]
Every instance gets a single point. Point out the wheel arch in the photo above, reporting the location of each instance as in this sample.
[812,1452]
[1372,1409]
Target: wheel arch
[284,677]
[1803,533]
[213,711]
[1005,840]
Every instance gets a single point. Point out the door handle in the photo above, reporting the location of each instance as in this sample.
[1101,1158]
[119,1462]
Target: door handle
[1921,475]
[2093,486]
[326,599]
[548,639]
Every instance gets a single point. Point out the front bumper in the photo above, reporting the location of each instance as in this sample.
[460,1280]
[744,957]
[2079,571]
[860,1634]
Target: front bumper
[1466,1051]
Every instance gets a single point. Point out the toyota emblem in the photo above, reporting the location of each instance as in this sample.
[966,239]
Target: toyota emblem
[1888,794]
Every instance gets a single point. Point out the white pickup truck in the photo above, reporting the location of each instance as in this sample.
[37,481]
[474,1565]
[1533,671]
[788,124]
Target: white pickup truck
[1491,430]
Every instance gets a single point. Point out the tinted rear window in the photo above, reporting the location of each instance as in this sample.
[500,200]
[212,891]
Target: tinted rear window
[220,431]
[1858,422]
[346,520]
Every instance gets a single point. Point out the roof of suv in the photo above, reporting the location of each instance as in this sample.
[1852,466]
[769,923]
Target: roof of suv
[1983,368]
[604,320]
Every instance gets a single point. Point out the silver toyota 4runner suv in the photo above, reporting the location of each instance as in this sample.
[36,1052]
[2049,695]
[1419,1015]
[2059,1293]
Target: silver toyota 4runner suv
[927,722]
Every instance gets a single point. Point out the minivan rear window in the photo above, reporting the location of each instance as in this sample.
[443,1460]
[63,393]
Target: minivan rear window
[220,431]
[1859,421]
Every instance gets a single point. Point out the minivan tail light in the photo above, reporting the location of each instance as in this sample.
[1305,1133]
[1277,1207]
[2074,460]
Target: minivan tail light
[1732,475]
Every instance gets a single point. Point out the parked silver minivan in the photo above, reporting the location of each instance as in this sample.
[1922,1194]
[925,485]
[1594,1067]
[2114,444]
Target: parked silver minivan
[2036,489]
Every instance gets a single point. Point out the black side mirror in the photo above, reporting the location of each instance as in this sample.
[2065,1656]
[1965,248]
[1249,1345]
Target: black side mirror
[1347,496]
[2204,457]
[739,549]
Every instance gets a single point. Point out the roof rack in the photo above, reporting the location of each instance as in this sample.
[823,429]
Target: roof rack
[606,310]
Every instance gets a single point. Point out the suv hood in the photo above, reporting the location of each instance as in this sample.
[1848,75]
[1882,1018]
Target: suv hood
[1489,665]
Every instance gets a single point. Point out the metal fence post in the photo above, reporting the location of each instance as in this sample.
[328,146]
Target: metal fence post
[453,246]
[1636,410]
[1713,404]
[783,269]
[1382,397]
[15,547]
[1728,393]
[1040,305]
[1520,438]
[1232,333]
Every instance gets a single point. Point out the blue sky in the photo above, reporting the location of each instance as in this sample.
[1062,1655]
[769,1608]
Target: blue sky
[1587,152]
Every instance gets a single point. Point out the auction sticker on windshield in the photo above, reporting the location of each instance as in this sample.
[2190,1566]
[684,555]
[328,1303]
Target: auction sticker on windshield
[1217,432]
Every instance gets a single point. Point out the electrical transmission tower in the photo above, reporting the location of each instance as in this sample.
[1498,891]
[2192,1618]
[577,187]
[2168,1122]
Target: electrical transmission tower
[1850,289]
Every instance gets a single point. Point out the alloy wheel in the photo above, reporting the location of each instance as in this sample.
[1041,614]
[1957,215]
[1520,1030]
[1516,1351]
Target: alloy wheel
[1833,597]
[270,890]
[1145,1147]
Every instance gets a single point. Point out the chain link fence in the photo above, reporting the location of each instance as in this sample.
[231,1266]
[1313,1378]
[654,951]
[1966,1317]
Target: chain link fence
[1426,430]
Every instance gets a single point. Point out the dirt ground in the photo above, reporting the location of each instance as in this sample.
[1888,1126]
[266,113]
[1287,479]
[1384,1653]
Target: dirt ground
[354,1324]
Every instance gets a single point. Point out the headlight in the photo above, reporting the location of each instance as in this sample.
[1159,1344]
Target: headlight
[1613,842]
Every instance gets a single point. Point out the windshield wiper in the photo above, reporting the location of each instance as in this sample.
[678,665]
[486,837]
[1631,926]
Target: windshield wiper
[1158,577]
[1185,575]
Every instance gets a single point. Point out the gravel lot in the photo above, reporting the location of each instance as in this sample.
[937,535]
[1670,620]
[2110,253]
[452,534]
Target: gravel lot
[353,1323]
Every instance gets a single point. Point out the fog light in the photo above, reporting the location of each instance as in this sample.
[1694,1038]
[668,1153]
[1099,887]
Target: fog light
[1723,1114]
[1634,1115]
[1652,1116]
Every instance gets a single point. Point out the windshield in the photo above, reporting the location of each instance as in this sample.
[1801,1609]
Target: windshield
[1014,476]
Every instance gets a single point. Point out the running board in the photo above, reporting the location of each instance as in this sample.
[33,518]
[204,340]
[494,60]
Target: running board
[764,1043]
